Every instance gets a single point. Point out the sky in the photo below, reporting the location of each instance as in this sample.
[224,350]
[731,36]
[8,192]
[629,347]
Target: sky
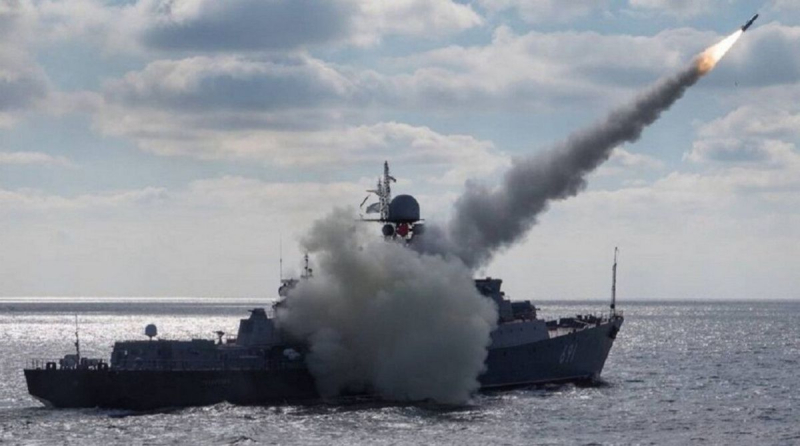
[176,147]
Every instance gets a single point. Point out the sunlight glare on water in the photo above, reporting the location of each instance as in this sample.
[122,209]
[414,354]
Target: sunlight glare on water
[679,373]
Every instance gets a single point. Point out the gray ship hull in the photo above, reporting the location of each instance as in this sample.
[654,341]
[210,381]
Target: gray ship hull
[153,389]
[577,356]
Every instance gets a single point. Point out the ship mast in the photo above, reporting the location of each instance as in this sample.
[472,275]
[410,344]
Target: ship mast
[614,284]
[307,272]
[77,340]
[385,192]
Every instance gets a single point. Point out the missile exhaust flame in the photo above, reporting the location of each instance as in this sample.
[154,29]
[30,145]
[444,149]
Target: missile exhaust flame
[708,59]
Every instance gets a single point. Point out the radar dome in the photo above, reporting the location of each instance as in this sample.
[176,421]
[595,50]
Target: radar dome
[151,331]
[404,209]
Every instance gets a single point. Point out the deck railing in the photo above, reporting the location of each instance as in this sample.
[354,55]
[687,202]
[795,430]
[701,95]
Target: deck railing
[170,365]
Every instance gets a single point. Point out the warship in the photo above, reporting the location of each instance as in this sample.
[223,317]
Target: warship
[261,365]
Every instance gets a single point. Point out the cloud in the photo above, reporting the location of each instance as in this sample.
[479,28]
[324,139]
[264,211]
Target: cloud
[720,235]
[265,25]
[544,70]
[243,25]
[513,72]
[23,84]
[450,159]
[763,133]
[188,240]
[785,5]
[232,82]
[766,55]
[537,11]
[623,162]
[764,153]
[26,158]
[773,119]
[681,8]
[32,200]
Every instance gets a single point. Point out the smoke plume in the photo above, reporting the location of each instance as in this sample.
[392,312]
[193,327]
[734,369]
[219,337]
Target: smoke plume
[489,219]
[382,318]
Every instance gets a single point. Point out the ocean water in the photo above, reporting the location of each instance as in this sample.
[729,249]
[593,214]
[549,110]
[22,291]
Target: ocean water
[679,373]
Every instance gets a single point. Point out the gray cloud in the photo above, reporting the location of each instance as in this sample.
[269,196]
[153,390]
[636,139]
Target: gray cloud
[243,25]
[537,11]
[263,25]
[202,84]
[22,81]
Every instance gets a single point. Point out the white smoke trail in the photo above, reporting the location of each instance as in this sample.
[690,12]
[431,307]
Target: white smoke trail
[489,219]
[382,318]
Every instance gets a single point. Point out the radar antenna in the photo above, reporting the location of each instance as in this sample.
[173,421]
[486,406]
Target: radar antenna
[399,215]
[384,192]
[614,284]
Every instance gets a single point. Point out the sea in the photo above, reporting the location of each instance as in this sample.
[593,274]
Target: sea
[716,373]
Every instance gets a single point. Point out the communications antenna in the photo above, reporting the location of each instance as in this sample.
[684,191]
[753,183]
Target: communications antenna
[614,284]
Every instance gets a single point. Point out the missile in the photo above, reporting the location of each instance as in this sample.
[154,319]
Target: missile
[749,23]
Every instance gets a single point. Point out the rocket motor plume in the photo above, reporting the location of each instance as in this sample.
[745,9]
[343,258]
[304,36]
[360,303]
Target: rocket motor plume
[708,59]
[489,219]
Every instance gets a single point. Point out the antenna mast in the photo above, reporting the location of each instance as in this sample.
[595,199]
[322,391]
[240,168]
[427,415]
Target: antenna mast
[280,254]
[614,284]
[307,272]
[77,340]
[385,191]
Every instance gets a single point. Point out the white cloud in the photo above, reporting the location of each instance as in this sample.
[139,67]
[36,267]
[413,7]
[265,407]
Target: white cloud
[774,119]
[24,158]
[412,17]
[537,11]
[681,8]
[723,234]
[763,133]
[545,70]
[450,158]
[214,237]
[623,162]
[33,200]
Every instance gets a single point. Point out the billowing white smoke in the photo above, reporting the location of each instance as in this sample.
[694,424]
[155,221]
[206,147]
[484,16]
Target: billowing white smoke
[383,318]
